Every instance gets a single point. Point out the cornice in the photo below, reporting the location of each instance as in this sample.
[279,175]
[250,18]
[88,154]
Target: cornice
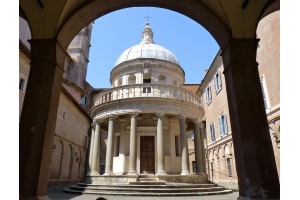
[24,49]
[65,91]
[215,146]
[123,68]
[146,105]
[74,85]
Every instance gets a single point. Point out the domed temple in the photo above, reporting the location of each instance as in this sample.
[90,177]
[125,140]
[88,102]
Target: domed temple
[147,114]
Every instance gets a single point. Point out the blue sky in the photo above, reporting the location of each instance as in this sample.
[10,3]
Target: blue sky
[117,31]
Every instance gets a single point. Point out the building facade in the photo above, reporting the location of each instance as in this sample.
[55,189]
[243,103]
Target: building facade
[219,145]
[221,165]
[71,134]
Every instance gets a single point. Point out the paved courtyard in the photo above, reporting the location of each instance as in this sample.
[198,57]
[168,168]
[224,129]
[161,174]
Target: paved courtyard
[58,194]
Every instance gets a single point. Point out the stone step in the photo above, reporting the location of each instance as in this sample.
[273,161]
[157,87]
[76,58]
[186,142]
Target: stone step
[147,176]
[147,190]
[157,183]
[148,193]
[147,179]
[153,185]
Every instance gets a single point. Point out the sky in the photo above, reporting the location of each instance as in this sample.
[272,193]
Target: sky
[115,32]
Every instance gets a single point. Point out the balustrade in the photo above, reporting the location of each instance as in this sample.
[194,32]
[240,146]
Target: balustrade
[147,90]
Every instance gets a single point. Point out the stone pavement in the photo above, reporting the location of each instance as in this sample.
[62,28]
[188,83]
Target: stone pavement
[58,194]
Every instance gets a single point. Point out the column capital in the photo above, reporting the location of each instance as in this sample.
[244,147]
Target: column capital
[97,122]
[159,114]
[49,50]
[112,117]
[182,116]
[134,114]
[196,120]
[239,50]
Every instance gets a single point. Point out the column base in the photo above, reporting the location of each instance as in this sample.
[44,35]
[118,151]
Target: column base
[161,173]
[131,173]
[185,173]
[94,174]
[35,198]
[108,173]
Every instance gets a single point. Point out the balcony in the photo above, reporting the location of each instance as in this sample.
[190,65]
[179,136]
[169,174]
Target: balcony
[147,90]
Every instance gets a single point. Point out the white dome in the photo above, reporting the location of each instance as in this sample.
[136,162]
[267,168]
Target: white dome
[147,50]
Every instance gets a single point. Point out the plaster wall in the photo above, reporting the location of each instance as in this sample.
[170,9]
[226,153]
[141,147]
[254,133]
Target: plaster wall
[217,106]
[268,31]
[70,142]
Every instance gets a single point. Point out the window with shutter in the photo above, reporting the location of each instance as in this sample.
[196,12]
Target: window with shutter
[219,80]
[216,83]
[221,126]
[225,125]
[212,132]
[208,95]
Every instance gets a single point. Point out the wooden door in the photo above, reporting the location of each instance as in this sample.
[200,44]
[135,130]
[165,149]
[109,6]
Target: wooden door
[147,155]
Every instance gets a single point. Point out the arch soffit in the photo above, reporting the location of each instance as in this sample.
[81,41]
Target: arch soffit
[269,8]
[201,13]
[64,20]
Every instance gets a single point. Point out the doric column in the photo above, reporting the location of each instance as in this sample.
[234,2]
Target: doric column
[185,169]
[91,149]
[96,146]
[109,148]
[255,162]
[38,117]
[132,150]
[160,145]
[198,143]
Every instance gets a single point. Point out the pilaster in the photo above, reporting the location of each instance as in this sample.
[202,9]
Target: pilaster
[255,162]
[38,117]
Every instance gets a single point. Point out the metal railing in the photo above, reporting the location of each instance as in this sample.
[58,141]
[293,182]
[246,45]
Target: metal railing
[147,90]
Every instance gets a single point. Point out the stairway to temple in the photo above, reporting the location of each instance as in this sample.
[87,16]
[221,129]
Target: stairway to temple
[147,185]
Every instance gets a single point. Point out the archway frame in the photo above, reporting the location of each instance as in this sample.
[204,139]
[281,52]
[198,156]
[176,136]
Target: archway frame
[238,52]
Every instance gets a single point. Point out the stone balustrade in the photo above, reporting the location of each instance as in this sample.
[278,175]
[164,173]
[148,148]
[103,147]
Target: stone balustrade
[147,90]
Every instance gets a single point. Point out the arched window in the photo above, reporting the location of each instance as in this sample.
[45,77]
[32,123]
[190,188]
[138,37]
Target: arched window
[131,79]
[229,168]
[120,81]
